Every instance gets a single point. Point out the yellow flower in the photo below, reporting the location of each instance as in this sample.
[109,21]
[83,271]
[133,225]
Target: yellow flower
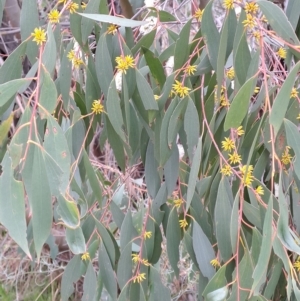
[259,190]
[240,131]
[215,263]
[180,89]
[139,278]
[251,8]
[226,170]
[247,177]
[294,93]
[62,1]
[183,223]
[85,256]
[249,22]
[147,234]
[72,7]
[198,14]
[297,264]
[298,117]
[281,53]
[39,36]
[124,63]
[228,4]
[230,73]
[256,35]
[77,62]
[256,90]
[177,203]
[228,144]
[286,158]
[156,97]
[53,16]
[190,70]
[223,101]
[235,158]
[135,258]
[112,29]
[71,55]
[97,107]
[145,262]
[83,5]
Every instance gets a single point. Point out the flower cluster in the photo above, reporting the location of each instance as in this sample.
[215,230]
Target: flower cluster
[112,29]
[259,190]
[251,8]
[125,62]
[53,16]
[286,157]
[228,4]
[190,70]
[147,234]
[246,173]
[180,89]
[72,7]
[183,223]
[97,107]
[77,62]
[294,93]
[223,99]
[140,277]
[228,144]
[198,14]
[85,256]
[136,258]
[250,21]
[178,203]
[215,263]
[281,53]
[230,73]
[226,170]
[39,36]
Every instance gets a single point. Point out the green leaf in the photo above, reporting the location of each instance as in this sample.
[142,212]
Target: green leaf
[145,92]
[39,195]
[68,212]
[171,170]
[5,127]
[239,106]
[9,89]
[103,65]
[293,139]
[210,34]
[218,281]
[173,240]
[282,99]
[114,20]
[73,271]
[260,270]
[48,95]
[114,112]
[75,240]
[146,41]
[107,273]
[12,67]
[155,66]
[223,209]
[218,295]
[152,177]
[176,122]
[56,146]
[49,54]
[245,279]
[12,204]
[278,21]
[157,290]
[194,173]
[191,126]
[93,179]
[234,224]
[89,284]
[203,250]
[182,46]
[242,60]
[86,24]
[29,20]
[125,266]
